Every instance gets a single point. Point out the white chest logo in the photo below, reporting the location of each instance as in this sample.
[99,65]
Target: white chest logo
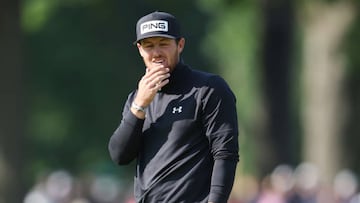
[177,110]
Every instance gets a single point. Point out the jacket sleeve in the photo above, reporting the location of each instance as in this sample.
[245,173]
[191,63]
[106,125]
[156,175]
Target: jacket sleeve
[221,127]
[125,142]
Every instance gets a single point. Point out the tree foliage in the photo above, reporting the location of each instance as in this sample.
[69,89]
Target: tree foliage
[232,45]
[81,65]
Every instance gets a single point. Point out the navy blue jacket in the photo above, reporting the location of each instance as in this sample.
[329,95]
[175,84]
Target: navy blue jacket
[187,145]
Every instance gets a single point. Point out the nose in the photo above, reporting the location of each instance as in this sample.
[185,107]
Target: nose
[156,51]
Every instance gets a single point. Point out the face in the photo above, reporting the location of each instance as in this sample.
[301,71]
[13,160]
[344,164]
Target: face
[160,51]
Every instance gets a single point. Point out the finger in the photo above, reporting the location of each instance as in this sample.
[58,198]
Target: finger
[156,77]
[162,83]
[159,79]
[154,66]
[155,70]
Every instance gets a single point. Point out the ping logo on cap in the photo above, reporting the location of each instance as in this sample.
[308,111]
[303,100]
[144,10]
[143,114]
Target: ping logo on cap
[154,25]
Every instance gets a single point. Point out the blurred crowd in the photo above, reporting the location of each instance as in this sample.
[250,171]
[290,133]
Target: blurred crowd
[61,186]
[300,185]
[284,185]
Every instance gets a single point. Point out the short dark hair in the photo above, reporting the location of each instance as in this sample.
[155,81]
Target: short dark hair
[177,40]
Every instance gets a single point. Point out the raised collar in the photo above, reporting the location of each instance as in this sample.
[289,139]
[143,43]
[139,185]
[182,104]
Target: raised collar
[177,78]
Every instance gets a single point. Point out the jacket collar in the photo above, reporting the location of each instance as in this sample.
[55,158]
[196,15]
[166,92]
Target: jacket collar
[177,77]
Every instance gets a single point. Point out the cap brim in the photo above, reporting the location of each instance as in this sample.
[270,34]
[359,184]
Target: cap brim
[154,35]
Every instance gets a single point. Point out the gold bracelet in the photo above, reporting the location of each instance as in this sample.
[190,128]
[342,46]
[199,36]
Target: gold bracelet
[137,107]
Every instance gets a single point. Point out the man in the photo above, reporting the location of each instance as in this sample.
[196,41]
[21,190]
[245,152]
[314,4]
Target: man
[180,124]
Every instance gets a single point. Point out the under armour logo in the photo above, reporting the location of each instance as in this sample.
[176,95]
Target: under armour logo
[177,110]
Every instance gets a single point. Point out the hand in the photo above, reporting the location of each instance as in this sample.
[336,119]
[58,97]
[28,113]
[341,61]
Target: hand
[154,79]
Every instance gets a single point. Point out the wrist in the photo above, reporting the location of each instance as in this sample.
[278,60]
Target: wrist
[138,107]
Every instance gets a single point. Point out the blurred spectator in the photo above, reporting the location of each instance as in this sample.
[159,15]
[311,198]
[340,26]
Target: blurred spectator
[306,184]
[245,189]
[282,179]
[36,196]
[59,186]
[345,186]
[269,193]
[55,188]
[105,189]
[355,199]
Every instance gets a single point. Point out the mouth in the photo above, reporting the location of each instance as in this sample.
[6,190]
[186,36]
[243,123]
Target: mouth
[159,62]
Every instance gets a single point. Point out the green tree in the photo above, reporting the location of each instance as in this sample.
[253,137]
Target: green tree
[252,47]
[231,45]
[82,65]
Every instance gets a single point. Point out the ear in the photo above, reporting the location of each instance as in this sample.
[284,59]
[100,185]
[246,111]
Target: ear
[181,44]
[140,49]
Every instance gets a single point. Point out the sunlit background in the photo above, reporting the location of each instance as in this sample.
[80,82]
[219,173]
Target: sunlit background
[67,66]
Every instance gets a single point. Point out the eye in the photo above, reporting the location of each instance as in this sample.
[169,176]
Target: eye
[147,46]
[164,44]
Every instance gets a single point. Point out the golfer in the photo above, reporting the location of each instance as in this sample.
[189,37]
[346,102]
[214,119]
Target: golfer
[180,124]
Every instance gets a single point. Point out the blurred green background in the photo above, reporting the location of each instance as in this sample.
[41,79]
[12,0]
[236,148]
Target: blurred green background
[67,66]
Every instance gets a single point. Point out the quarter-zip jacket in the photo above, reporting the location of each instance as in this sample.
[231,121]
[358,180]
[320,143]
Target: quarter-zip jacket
[187,145]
